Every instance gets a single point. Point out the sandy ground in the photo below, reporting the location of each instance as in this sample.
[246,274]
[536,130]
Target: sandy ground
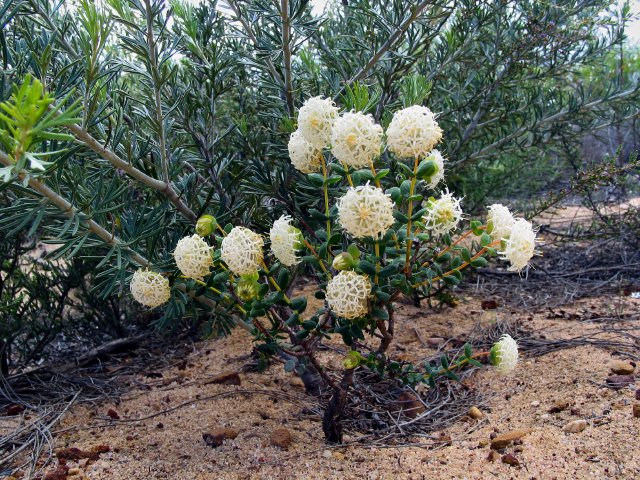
[170,445]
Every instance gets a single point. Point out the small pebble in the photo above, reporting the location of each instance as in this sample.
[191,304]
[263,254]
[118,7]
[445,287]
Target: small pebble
[636,410]
[475,413]
[535,403]
[510,459]
[575,426]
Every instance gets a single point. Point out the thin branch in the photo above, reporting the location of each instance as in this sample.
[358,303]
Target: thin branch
[70,211]
[286,53]
[249,32]
[155,75]
[404,26]
[165,188]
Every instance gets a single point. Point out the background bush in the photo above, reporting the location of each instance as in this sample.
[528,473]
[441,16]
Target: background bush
[184,110]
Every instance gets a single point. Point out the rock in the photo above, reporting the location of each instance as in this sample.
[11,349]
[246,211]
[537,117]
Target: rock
[493,456]
[111,413]
[218,436]
[489,305]
[510,459]
[535,403]
[483,443]
[519,448]
[475,413]
[280,437]
[559,406]
[409,403]
[226,378]
[503,440]
[435,341]
[638,394]
[636,410]
[621,367]
[620,381]
[327,454]
[14,409]
[576,426]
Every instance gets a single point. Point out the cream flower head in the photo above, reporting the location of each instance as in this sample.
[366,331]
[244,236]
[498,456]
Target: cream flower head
[504,354]
[520,246]
[303,155]
[348,294]
[413,132]
[356,139]
[443,214]
[365,211]
[193,257]
[242,251]
[315,120]
[285,241]
[437,177]
[149,288]
[499,222]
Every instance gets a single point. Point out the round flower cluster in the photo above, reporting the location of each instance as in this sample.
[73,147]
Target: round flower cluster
[315,120]
[285,241]
[504,354]
[242,251]
[193,257]
[356,139]
[304,156]
[348,294]
[437,177]
[443,214]
[365,211]
[499,222]
[149,288]
[413,132]
[519,248]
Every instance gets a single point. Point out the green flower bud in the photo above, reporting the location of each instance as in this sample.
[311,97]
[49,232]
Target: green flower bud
[206,225]
[427,169]
[344,261]
[248,287]
[352,360]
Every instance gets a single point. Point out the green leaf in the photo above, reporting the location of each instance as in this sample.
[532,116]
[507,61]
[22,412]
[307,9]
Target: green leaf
[299,304]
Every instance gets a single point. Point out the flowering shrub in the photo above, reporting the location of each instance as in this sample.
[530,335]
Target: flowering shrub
[384,236]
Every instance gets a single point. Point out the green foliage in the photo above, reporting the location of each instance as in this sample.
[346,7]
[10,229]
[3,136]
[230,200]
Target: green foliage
[150,114]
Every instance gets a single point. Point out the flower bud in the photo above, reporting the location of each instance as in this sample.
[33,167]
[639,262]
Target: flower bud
[427,169]
[247,287]
[206,225]
[344,261]
[352,360]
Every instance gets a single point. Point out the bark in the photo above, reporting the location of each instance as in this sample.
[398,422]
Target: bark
[331,423]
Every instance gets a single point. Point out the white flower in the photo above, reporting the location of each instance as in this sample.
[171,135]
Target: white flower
[356,139]
[413,132]
[437,177]
[149,288]
[499,222]
[242,251]
[520,246]
[504,354]
[285,241]
[304,156]
[443,214]
[365,211]
[348,294]
[193,257]
[315,120]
